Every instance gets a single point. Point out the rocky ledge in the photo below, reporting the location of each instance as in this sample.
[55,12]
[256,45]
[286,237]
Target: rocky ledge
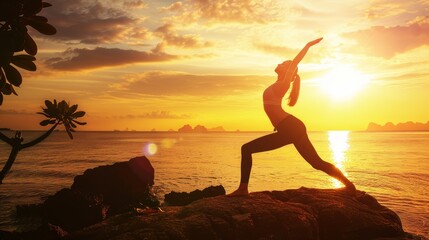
[115,202]
[292,214]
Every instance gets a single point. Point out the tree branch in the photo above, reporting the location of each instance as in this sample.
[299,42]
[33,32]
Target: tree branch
[9,163]
[39,139]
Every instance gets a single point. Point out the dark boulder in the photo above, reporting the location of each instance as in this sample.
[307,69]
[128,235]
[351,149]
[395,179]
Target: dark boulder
[97,194]
[121,185]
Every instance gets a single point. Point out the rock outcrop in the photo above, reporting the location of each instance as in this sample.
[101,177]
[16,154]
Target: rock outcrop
[114,202]
[101,192]
[97,194]
[302,214]
[119,185]
[400,127]
[197,129]
[184,198]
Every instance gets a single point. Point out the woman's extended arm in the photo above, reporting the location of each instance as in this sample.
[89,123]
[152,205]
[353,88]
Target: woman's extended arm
[293,66]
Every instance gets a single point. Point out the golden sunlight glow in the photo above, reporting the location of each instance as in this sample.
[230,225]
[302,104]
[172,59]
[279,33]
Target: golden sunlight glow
[338,143]
[154,69]
[343,82]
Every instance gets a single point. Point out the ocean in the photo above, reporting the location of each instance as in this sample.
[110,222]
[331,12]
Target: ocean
[391,166]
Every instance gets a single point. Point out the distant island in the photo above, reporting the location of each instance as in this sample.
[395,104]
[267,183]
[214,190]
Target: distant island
[199,129]
[400,127]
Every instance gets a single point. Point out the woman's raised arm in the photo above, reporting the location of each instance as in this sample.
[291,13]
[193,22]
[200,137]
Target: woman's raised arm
[293,66]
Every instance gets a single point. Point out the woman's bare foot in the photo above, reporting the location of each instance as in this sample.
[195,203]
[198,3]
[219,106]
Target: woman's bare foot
[241,191]
[350,188]
[238,192]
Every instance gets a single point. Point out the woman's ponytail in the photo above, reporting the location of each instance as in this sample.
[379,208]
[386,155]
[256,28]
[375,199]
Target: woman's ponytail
[294,93]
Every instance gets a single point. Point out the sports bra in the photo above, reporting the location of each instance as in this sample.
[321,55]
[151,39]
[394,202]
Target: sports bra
[273,106]
[271,98]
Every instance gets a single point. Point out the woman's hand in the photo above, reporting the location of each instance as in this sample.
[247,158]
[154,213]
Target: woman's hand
[301,55]
[314,42]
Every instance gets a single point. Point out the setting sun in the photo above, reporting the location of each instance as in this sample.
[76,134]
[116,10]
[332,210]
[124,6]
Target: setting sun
[343,82]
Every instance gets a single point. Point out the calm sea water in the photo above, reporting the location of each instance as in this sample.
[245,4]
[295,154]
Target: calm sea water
[393,167]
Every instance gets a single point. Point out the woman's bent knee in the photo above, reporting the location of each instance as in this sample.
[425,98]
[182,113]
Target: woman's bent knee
[245,149]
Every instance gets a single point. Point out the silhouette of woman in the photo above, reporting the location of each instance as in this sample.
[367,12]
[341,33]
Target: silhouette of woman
[289,128]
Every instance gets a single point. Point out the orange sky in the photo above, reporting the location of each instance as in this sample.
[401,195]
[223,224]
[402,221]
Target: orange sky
[161,64]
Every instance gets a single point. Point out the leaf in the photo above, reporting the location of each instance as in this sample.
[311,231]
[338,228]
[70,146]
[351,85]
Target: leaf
[50,109]
[7,89]
[69,133]
[36,19]
[73,125]
[12,75]
[25,57]
[49,112]
[25,64]
[45,122]
[53,121]
[13,90]
[30,45]
[49,104]
[62,107]
[1,98]
[44,28]
[80,123]
[78,114]
[44,114]
[72,109]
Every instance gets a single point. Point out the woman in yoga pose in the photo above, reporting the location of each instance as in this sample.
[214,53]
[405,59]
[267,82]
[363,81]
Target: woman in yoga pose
[289,128]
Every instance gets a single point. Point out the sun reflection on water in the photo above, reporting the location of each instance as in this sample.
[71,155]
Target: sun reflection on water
[339,144]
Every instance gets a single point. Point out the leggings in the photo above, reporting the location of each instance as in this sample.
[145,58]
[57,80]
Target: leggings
[289,130]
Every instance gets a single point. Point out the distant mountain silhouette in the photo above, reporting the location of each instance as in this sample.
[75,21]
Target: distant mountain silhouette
[186,128]
[217,129]
[390,127]
[199,129]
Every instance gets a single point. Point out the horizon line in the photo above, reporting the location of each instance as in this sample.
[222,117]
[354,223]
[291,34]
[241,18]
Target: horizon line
[226,131]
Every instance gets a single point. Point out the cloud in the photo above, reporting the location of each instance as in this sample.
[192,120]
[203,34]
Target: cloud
[170,37]
[384,9]
[182,84]
[83,58]
[411,79]
[276,50]
[135,4]
[177,6]
[386,42]
[420,20]
[238,11]
[391,10]
[93,22]
[155,115]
